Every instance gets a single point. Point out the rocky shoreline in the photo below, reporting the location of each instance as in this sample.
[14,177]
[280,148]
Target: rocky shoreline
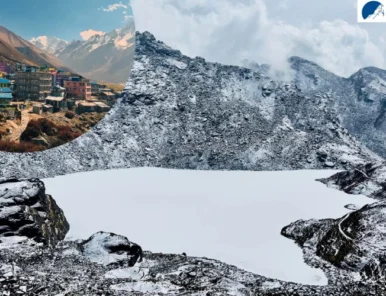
[42,263]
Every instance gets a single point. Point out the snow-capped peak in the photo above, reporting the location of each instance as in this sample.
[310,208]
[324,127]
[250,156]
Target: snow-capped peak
[49,44]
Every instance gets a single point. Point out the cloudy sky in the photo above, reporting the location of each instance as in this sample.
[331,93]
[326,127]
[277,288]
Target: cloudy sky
[63,19]
[266,31]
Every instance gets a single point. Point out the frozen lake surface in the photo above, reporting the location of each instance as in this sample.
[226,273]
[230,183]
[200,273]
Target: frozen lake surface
[235,217]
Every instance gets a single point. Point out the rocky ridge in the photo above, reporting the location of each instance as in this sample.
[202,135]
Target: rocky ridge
[369,180]
[352,247]
[359,99]
[185,113]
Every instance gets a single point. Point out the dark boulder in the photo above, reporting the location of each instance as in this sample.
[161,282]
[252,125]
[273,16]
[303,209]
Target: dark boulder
[107,248]
[26,210]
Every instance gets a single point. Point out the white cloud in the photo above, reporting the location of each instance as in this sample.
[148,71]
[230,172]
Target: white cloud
[229,31]
[87,34]
[113,7]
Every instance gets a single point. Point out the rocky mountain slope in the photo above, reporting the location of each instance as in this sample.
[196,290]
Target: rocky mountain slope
[104,57]
[179,112]
[110,264]
[359,100]
[13,48]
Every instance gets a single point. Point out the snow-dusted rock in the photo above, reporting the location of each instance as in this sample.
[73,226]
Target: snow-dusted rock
[30,269]
[359,99]
[202,116]
[369,180]
[107,248]
[354,244]
[26,210]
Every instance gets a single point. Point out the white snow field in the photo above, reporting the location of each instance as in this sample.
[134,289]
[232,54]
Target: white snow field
[235,217]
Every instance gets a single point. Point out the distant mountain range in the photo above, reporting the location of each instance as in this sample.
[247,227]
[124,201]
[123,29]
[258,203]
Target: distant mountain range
[106,57]
[14,48]
[49,44]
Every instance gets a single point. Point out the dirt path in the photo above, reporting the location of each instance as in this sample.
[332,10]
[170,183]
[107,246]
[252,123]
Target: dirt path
[18,129]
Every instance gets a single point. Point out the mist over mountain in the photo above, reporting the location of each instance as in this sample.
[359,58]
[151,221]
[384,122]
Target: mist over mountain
[359,100]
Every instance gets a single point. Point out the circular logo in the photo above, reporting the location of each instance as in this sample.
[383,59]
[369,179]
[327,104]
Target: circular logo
[373,10]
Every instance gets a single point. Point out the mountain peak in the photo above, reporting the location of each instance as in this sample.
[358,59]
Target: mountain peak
[146,35]
[296,61]
[49,44]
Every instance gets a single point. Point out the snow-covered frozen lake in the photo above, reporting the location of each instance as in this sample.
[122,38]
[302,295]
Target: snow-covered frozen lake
[235,217]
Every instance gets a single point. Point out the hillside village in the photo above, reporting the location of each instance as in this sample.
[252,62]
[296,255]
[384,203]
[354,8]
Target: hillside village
[48,96]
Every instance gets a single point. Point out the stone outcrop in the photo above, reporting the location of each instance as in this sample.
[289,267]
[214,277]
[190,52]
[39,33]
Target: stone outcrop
[369,180]
[26,210]
[355,244]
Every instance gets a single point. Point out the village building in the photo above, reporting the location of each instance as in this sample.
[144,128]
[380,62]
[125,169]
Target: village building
[48,108]
[6,90]
[5,83]
[20,67]
[33,85]
[71,104]
[78,87]
[61,76]
[31,69]
[5,99]
[6,67]
[5,96]
[57,103]
[84,107]
[102,107]
[19,105]
[37,109]
[11,77]
[95,87]
[108,97]
[43,68]
[54,78]
[58,91]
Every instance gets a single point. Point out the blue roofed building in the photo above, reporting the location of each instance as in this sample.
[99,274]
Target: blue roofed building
[5,96]
[5,99]
[5,90]
[5,83]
